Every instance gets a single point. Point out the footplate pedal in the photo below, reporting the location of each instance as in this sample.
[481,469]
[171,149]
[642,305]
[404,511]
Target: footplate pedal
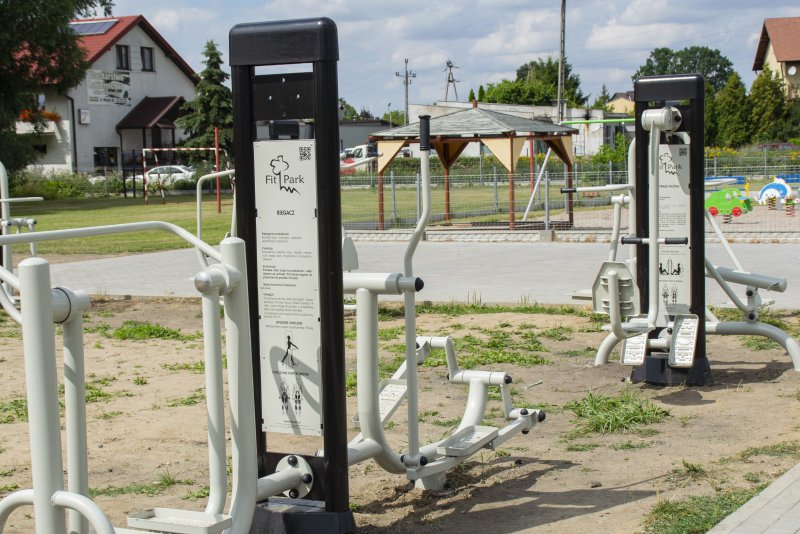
[634,349]
[467,440]
[179,521]
[684,339]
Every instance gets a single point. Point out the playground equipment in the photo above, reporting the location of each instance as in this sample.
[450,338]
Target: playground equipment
[425,465]
[666,345]
[777,190]
[728,201]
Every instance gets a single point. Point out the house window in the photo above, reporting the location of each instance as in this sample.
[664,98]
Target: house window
[147,59]
[105,156]
[123,57]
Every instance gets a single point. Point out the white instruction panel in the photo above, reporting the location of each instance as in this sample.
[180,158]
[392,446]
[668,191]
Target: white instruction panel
[288,286]
[673,221]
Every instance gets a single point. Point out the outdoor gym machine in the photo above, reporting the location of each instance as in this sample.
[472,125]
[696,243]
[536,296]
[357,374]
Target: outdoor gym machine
[667,344]
[43,305]
[426,465]
[288,209]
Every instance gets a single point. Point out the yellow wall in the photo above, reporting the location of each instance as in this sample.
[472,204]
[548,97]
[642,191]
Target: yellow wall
[621,105]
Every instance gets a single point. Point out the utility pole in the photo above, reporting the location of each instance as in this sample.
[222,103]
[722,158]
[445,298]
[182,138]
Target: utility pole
[450,80]
[407,76]
[561,80]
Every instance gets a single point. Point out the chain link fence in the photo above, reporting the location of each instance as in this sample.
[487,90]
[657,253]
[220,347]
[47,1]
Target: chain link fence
[485,200]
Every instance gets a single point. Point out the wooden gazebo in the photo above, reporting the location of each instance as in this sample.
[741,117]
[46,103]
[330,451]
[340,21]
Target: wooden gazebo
[503,134]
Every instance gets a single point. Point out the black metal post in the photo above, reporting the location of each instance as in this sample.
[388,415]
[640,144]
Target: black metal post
[314,96]
[687,93]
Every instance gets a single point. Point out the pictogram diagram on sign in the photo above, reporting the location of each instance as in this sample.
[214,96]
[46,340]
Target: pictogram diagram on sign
[288,358]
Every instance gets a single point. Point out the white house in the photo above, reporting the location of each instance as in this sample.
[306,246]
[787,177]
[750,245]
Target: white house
[129,99]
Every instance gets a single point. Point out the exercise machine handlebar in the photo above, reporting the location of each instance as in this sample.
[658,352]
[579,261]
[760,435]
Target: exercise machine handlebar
[597,188]
[662,241]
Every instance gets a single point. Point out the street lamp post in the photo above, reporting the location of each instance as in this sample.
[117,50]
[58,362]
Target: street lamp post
[389,108]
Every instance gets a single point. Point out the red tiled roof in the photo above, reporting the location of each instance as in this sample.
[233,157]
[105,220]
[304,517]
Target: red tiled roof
[97,45]
[784,34]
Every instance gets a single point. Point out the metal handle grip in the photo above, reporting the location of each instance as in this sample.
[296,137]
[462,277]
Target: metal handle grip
[676,241]
[631,240]
[569,190]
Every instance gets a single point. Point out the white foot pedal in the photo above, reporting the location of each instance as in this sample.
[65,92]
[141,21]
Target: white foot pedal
[179,521]
[392,394]
[467,440]
[684,338]
[634,349]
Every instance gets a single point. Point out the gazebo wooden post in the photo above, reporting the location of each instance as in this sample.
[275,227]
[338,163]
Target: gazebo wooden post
[380,202]
[447,194]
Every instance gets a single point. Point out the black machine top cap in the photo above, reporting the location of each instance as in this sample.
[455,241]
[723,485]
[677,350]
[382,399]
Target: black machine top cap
[284,42]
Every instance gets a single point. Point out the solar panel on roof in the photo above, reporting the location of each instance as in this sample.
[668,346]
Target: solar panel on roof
[92,28]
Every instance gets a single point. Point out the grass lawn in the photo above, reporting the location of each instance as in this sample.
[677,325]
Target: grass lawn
[76,213]
[358,205]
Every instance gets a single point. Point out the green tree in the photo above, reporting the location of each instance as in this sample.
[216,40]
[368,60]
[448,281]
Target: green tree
[545,72]
[349,112]
[617,153]
[471,95]
[397,118]
[37,47]
[213,106]
[767,107]
[601,102]
[481,94]
[700,59]
[710,117]
[733,113]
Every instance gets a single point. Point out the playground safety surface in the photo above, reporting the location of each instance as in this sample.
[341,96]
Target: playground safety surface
[147,420]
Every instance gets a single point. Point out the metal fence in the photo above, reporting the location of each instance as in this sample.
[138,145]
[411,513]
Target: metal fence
[483,201]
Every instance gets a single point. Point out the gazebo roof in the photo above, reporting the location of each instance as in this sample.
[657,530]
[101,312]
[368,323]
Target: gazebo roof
[479,123]
[502,133]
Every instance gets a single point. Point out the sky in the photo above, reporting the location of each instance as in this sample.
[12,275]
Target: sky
[487,40]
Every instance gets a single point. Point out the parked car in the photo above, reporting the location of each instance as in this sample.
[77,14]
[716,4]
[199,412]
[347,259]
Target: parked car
[166,174]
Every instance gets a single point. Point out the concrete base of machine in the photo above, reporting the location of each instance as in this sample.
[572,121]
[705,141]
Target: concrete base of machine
[655,370]
[295,516]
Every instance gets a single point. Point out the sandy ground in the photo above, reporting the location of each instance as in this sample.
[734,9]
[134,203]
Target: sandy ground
[140,429]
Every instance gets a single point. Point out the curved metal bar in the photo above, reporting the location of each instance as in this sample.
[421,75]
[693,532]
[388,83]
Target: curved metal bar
[13,501]
[759,329]
[86,507]
[127,228]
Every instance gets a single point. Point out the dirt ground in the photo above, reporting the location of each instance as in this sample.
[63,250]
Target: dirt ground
[143,426]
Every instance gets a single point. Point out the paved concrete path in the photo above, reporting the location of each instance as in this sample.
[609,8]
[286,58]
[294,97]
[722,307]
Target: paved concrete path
[488,272]
[775,510]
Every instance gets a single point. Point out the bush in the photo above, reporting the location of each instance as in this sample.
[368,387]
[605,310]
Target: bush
[52,187]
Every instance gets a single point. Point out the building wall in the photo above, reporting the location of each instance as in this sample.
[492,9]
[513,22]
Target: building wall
[100,131]
[622,105]
[791,82]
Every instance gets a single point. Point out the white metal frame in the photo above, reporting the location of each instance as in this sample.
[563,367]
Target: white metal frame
[750,325]
[42,305]
[426,465]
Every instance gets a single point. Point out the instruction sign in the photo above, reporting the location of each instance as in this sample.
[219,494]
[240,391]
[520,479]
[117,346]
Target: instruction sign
[674,217]
[288,285]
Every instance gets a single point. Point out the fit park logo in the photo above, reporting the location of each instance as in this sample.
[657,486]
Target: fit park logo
[280,176]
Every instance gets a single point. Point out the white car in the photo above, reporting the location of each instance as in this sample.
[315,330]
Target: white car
[166,174]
